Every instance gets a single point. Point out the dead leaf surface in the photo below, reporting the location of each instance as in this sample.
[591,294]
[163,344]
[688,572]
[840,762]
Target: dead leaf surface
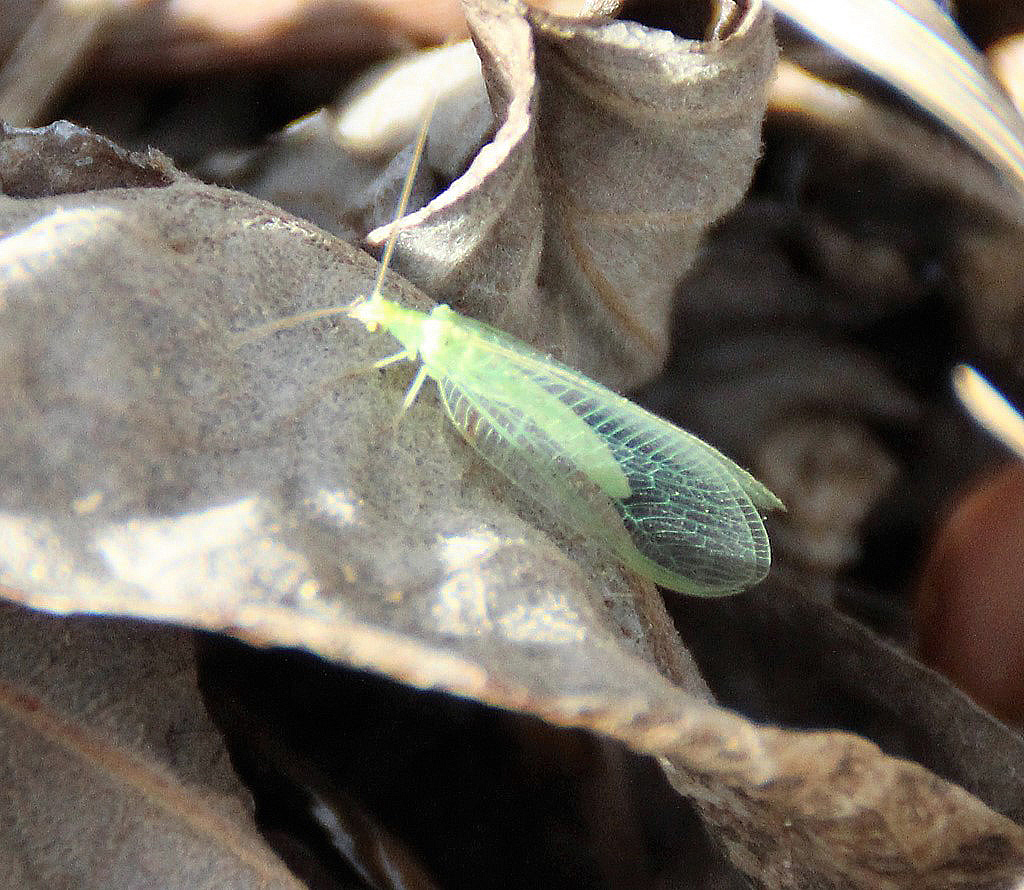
[111,773]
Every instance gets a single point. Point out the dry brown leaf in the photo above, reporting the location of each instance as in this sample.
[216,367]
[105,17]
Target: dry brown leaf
[784,655]
[112,774]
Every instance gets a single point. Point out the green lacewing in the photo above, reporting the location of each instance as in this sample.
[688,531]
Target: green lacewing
[666,504]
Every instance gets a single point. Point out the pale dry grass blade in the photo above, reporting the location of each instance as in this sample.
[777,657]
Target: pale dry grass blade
[50,53]
[989,407]
[916,47]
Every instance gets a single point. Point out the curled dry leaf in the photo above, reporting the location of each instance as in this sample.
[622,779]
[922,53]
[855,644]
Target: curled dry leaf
[112,774]
[615,147]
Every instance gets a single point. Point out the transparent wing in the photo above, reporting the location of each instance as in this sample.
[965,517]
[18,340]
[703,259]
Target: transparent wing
[527,455]
[512,354]
[691,520]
